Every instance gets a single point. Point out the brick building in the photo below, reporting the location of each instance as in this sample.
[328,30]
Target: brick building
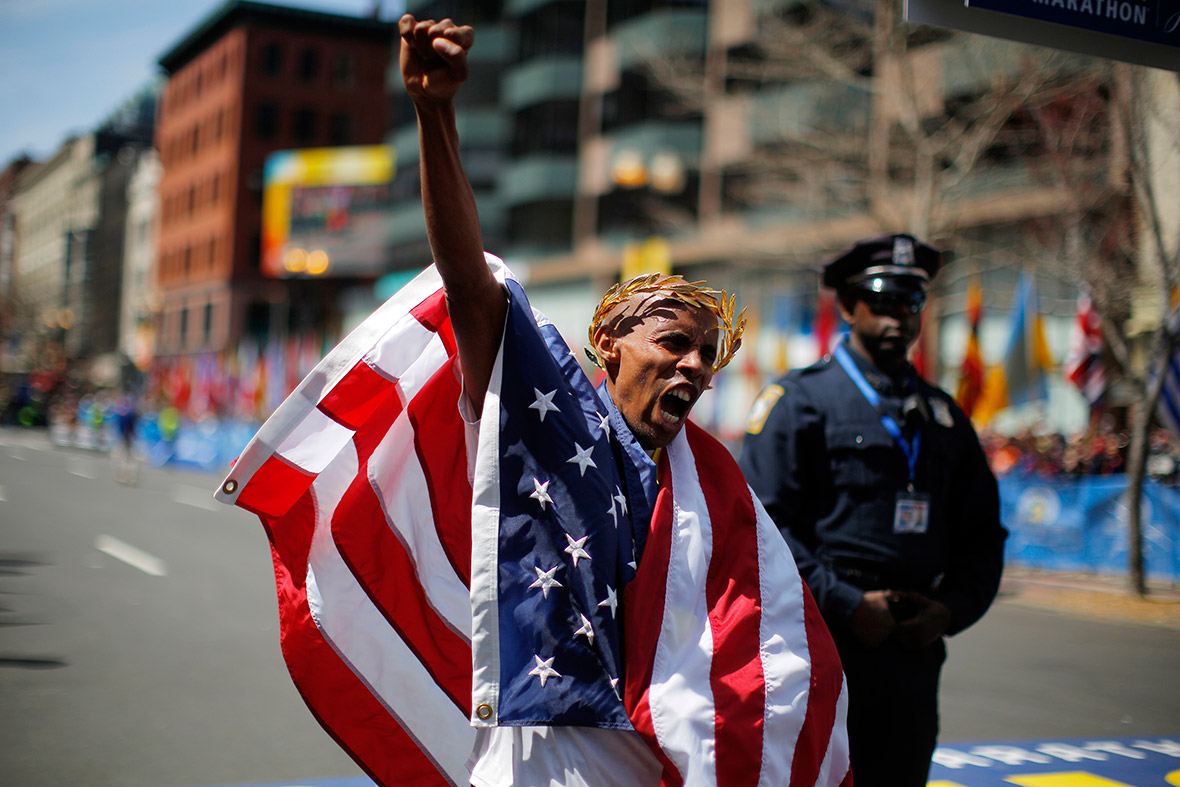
[249,80]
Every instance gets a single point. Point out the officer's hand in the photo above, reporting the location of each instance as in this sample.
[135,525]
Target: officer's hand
[930,621]
[433,57]
[871,622]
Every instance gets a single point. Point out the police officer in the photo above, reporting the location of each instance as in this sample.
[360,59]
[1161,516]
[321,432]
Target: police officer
[877,481]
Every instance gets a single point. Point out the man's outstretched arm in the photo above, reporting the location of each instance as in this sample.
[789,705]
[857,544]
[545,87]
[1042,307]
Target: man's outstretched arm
[433,62]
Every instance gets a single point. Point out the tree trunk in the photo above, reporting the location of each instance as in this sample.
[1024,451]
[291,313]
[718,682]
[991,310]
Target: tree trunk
[1161,350]
[1136,464]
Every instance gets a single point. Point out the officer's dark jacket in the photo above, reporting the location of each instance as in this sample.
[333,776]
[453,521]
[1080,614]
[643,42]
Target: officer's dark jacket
[828,473]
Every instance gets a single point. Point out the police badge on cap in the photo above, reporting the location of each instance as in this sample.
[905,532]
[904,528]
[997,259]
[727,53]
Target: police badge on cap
[903,250]
[886,262]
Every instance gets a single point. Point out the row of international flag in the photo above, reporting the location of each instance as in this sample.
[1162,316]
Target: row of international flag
[249,381]
[245,383]
[1022,374]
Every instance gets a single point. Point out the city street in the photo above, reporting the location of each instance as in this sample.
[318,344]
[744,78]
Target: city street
[139,644]
[138,632]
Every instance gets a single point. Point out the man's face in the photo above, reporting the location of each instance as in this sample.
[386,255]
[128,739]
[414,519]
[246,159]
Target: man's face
[886,324]
[659,360]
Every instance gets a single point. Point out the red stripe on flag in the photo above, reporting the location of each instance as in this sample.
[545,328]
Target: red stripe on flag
[432,313]
[340,701]
[823,695]
[387,572]
[437,431]
[361,391]
[735,614]
[642,632]
[274,487]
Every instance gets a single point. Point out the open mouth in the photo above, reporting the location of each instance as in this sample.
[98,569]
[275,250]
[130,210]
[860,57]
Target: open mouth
[674,405]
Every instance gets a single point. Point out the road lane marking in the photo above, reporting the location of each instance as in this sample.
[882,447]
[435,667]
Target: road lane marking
[82,469]
[195,496]
[136,558]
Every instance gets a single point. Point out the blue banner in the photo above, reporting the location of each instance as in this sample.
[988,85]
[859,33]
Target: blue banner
[1080,524]
[1152,21]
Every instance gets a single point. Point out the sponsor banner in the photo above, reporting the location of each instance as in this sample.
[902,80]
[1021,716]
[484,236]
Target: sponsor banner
[1100,762]
[1080,524]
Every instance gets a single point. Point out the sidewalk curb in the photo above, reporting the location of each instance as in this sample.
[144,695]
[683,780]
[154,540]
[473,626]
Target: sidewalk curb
[1092,597]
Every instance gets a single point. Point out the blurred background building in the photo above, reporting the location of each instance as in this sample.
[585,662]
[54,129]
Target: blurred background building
[745,141]
[250,80]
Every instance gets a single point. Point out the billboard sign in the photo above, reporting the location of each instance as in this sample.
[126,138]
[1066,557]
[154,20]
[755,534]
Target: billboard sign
[326,212]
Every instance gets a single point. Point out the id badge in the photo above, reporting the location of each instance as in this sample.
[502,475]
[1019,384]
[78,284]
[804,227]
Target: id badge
[912,512]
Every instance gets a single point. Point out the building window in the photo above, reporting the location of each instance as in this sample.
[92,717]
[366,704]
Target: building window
[343,73]
[208,327]
[309,65]
[340,129]
[548,127]
[188,260]
[183,326]
[555,28]
[267,122]
[304,125]
[256,251]
[272,59]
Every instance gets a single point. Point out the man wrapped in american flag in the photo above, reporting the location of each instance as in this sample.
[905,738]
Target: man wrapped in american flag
[491,572]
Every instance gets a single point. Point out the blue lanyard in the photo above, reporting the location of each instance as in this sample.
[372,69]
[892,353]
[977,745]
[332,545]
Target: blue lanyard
[908,447]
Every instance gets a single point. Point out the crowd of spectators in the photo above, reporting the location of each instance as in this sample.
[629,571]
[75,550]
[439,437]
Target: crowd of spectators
[1100,451]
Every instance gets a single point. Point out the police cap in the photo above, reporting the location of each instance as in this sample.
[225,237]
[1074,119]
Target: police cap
[886,263]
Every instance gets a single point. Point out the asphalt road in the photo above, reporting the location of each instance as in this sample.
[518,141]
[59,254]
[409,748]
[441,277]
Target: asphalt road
[139,644]
[1021,673]
[160,668]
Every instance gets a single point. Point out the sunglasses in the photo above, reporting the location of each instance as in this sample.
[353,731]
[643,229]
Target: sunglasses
[892,302]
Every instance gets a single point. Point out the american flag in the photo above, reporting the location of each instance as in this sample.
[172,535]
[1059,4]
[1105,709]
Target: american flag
[562,588]
[1084,366]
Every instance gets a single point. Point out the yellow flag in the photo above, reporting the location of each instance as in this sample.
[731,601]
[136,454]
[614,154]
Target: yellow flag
[651,256]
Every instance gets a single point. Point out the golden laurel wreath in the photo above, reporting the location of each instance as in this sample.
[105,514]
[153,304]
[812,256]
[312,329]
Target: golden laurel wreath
[690,293]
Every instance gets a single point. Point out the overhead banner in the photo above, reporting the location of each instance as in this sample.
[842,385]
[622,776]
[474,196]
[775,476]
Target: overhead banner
[1146,32]
[1150,21]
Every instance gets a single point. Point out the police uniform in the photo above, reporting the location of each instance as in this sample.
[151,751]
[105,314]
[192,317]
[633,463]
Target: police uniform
[821,459]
